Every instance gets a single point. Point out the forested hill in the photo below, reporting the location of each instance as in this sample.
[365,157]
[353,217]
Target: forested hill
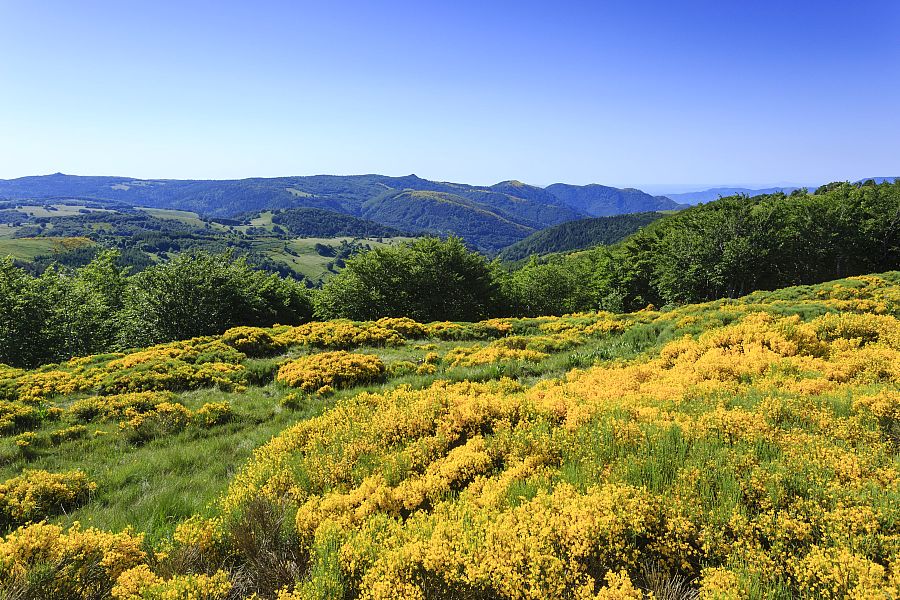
[316,222]
[579,235]
[602,201]
[487,217]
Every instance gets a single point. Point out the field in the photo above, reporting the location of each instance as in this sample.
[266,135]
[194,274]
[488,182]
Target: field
[29,248]
[57,210]
[301,255]
[182,216]
[735,449]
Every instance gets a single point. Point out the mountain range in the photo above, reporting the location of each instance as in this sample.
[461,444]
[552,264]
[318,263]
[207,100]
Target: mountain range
[721,192]
[488,217]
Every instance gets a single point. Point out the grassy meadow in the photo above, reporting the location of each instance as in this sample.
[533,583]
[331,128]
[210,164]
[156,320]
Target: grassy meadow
[734,449]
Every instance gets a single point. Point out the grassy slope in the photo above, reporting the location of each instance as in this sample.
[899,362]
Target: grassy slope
[154,486]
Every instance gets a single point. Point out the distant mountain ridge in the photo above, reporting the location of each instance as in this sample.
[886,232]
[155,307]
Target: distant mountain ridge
[722,192]
[602,201]
[488,217]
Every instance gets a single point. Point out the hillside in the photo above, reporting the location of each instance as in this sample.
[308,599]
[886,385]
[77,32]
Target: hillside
[443,213]
[316,222]
[602,201]
[517,208]
[743,445]
[578,235]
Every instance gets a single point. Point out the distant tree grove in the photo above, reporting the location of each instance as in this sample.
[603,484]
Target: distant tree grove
[726,248]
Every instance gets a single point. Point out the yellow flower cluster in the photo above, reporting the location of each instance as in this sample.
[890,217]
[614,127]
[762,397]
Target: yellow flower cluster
[335,369]
[753,455]
[252,341]
[501,350]
[743,458]
[140,583]
[167,418]
[191,364]
[446,330]
[339,335]
[75,564]
[115,407]
[68,433]
[15,416]
[37,494]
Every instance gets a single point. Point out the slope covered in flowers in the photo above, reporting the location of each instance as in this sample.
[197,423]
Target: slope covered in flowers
[736,449]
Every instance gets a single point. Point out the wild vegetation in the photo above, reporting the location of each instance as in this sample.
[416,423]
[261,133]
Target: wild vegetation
[741,448]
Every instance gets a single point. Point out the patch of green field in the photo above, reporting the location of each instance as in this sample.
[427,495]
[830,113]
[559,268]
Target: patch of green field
[155,485]
[29,248]
[57,210]
[191,218]
[301,256]
[298,193]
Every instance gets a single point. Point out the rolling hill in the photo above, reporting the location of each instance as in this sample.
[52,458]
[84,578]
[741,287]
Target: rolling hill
[579,235]
[603,201]
[443,213]
[487,217]
[317,222]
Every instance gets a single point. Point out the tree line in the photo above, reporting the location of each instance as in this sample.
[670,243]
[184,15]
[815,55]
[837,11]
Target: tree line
[726,248]
[101,307]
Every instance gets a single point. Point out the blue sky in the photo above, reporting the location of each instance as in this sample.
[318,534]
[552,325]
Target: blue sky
[620,93]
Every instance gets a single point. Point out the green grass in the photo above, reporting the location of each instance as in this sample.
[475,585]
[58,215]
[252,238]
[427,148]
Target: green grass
[29,248]
[300,254]
[184,216]
[58,210]
[155,485]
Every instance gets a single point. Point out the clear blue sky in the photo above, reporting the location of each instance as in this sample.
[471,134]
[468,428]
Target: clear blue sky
[621,93]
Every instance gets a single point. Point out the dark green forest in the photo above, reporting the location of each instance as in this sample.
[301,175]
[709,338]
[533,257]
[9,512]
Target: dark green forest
[579,235]
[315,222]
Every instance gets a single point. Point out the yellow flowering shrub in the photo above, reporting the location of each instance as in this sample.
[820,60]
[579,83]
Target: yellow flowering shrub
[471,356]
[37,494]
[111,408]
[336,369]
[212,414]
[340,335]
[140,583]
[406,327]
[252,341]
[166,418]
[15,416]
[68,433]
[46,561]
[176,366]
